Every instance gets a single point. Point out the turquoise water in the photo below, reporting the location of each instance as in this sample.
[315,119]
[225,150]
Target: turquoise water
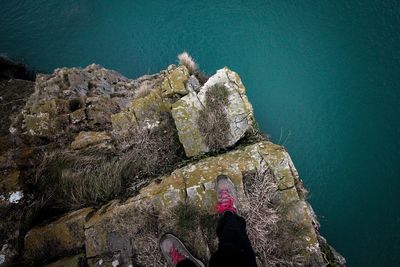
[323,77]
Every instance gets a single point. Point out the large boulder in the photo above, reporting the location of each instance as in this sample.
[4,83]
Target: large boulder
[216,117]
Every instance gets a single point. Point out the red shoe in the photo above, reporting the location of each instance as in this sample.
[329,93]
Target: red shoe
[226,195]
[174,251]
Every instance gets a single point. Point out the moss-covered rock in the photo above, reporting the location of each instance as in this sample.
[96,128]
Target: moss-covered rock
[61,237]
[123,120]
[78,116]
[237,112]
[85,139]
[175,82]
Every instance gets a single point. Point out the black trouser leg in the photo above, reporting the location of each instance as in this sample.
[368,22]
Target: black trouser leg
[186,263]
[234,247]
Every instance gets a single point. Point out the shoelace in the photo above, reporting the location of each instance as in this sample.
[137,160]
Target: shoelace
[226,202]
[176,256]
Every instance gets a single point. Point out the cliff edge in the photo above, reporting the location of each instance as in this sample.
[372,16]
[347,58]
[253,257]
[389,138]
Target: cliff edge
[95,167]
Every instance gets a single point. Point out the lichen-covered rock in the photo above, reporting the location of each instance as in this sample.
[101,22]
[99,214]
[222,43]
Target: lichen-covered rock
[145,112]
[196,183]
[63,236]
[175,82]
[239,113]
[99,111]
[85,139]
[193,84]
[148,109]
[78,116]
[124,120]
[43,124]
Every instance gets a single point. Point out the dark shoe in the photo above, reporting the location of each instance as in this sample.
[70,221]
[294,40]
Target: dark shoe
[175,251]
[226,195]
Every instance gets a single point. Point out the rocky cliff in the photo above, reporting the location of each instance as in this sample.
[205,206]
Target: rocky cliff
[95,167]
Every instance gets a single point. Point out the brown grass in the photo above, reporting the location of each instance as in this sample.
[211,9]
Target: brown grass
[212,121]
[148,153]
[275,240]
[144,89]
[139,238]
[91,177]
[72,180]
[186,60]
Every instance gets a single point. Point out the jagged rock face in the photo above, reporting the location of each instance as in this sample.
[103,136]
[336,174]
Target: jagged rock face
[94,110]
[71,100]
[238,113]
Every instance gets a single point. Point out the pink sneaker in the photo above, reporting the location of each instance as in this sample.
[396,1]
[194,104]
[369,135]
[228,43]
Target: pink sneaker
[174,251]
[226,195]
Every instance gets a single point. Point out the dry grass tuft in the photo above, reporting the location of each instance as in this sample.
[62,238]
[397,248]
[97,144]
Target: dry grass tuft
[212,122]
[148,153]
[275,240]
[71,180]
[186,60]
[144,89]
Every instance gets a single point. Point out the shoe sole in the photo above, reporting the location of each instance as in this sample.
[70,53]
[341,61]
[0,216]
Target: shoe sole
[180,243]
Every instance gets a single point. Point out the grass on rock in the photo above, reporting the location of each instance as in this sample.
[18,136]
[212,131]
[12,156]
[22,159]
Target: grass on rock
[213,123]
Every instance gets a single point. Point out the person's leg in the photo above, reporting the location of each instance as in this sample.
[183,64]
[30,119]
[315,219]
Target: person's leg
[234,247]
[186,263]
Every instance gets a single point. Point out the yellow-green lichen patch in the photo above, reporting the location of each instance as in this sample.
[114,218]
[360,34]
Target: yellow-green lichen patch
[52,106]
[280,162]
[42,124]
[175,82]
[166,193]
[85,139]
[123,120]
[61,236]
[185,113]
[148,109]
[78,115]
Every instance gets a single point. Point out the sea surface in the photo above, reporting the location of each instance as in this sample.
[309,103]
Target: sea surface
[323,76]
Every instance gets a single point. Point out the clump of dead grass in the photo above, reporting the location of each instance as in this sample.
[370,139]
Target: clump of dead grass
[186,60]
[212,121]
[275,239]
[72,180]
[148,153]
[138,238]
[144,89]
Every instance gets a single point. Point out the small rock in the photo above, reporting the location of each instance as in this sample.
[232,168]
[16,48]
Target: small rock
[175,82]
[85,139]
[193,84]
[15,197]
